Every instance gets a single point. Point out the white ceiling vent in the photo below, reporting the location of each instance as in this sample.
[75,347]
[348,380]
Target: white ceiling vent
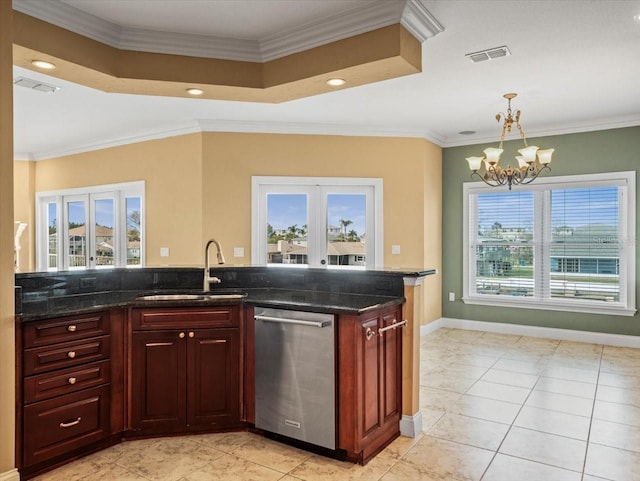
[489,54]
[35,85]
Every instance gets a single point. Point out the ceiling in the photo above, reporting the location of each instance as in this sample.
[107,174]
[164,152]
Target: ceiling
[573,63]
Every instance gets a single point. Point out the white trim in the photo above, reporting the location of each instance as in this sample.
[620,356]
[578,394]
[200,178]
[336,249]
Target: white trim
[118,192]
[626,306]
[412,14]
[419,21]
[411,426]
[620,340]
[317,188]
[11,475]
[559,129]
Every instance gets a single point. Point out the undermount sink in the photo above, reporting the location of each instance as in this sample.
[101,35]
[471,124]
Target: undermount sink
[192,297]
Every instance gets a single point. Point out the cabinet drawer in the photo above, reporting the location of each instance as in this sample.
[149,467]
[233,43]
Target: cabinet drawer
[185,318]
[64,423]
[43,359]
[66,381]
[65,329]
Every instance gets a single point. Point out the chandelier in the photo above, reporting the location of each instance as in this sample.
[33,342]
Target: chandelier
[528,166]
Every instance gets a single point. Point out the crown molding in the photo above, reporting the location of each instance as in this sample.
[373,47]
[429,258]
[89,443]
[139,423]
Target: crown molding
[206,46]
[183,129]
[419,21]
[308,128]
[412,14]
[551,130]
[333,28]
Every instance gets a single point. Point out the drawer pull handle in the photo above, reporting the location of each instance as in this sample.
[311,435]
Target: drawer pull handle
[181,335]
[72,380]
[71,423]
[71,354]
[395,324]
[72,328]
[191,334]
[369,333]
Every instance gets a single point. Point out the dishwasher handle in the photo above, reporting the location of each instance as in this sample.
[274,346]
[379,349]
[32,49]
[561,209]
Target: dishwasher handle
[287,320]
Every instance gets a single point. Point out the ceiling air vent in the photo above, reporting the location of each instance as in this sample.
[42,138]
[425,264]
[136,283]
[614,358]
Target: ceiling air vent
[35,85]
[489,54]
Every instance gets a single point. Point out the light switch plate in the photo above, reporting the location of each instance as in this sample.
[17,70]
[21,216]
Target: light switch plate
[238,252]
[164,252]
[395,249]
[452,296]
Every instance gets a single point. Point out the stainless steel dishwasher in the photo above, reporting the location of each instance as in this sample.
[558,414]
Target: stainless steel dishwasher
[295,374]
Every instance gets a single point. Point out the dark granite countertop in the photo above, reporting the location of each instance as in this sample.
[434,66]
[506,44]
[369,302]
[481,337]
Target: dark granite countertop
[315,301]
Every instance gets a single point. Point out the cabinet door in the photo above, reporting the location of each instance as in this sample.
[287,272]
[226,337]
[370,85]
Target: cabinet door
[391,371]
[158,381]
[213,377]
[370,371]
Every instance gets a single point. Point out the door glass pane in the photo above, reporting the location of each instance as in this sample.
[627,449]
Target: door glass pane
[346,230]
[104,221]
[287,222]
[52,225]
[504,246]
[134,227]
[77,230]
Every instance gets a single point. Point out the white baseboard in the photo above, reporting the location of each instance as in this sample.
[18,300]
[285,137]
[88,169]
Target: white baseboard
[12,475]
[533,331]
[411,426]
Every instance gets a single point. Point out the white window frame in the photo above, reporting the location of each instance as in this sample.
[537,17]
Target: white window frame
[542,221]
[316,188]
[118,192]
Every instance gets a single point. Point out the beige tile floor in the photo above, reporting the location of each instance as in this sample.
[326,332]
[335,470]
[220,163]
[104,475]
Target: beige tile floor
[496,408]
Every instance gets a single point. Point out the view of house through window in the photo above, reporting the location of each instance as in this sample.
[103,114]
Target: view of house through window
[561,242]
[90,228]
[311,221]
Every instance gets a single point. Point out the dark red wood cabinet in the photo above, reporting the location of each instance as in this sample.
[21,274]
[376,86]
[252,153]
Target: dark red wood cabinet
[370,382]
[185,369]
[64,390]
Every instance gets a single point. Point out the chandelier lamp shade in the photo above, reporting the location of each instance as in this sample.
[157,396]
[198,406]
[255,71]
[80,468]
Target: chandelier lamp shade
[532,161]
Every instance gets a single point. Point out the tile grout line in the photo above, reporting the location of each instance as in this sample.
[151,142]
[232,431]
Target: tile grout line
[593,408]
[510,427]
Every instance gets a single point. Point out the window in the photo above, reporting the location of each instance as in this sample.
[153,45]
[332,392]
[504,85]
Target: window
[315,221]
[561,243]
[93,227]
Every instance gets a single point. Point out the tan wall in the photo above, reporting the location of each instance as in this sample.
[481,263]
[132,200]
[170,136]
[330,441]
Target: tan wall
[171,169]
[7,331]
[199,187]
[410,169]
[24,177]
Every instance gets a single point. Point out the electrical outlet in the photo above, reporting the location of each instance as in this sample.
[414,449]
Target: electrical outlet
[238,252]
[395,249]
[452,296]
[164,252]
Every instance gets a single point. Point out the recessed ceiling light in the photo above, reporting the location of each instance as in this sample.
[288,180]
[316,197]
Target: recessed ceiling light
[336,82]
[194,91]
[637,17]
[467,132]
[43,64]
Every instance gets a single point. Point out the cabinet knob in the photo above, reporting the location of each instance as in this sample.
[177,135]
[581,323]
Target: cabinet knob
[369,333]
[181,335]
[71,354]
[191,334]
[72,328]
[72,380]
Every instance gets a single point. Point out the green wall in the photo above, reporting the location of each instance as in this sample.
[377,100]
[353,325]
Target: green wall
[584,153]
